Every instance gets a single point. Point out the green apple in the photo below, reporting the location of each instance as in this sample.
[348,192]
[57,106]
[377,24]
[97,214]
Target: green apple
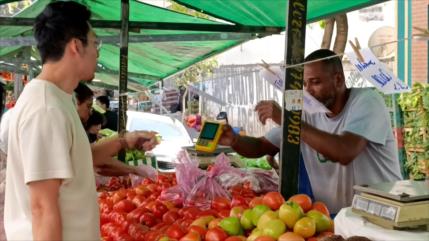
[257,212]
[256,233]
[267,216]
[274,228]
[231,225]
[236,211]
[323,223]
[290,213]
[246,219]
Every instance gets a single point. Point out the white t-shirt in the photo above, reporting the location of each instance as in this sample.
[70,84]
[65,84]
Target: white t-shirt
[364,114]
[47,141]
[4,130]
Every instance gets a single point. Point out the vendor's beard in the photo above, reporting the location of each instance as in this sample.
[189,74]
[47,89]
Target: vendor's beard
[328,102]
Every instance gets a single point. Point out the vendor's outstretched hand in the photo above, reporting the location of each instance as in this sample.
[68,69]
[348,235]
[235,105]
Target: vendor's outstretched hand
[141,140]
[228,136]
[269,109]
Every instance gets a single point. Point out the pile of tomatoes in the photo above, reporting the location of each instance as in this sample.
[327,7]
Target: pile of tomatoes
[139,214]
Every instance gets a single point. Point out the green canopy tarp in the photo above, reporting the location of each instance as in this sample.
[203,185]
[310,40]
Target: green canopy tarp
[271,12]
[153,61]
[148,61]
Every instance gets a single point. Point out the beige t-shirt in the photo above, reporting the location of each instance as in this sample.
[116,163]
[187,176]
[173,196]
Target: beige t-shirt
[47,141]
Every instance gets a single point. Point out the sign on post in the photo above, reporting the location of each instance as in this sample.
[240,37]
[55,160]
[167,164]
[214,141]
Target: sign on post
[377,73]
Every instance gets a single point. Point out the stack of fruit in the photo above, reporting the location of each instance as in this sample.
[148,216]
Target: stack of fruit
[138,214]
[269,217]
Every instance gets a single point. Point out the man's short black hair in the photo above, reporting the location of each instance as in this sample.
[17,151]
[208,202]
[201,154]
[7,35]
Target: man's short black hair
[83,92]
[58,23]
[104,99]
[335,62]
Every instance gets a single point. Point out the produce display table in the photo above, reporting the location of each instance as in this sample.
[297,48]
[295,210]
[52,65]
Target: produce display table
[349,224]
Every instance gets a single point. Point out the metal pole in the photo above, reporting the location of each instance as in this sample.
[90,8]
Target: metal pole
[296,12]
[123,71]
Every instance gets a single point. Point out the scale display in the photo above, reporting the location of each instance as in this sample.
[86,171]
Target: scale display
[209,136]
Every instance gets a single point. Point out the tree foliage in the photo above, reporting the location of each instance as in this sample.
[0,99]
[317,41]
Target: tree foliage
[182,9]
[196,72]
[11,9]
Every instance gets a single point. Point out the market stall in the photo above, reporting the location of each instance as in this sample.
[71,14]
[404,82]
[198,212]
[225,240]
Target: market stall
[222,202]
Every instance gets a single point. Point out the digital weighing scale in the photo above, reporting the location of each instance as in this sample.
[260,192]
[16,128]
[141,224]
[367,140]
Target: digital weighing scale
[394,205]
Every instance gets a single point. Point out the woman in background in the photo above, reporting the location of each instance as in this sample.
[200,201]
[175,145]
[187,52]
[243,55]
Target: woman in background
[110,166]
[93,126]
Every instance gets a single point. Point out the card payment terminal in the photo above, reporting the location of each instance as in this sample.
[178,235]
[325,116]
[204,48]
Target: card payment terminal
[209,136]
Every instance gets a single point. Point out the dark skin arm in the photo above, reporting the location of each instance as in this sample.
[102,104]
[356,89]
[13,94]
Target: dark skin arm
[342,148]
[247,146]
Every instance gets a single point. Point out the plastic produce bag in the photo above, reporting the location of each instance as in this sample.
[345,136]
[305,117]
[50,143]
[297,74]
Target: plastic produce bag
[144,171]
[208,187]
[187,174]
[260,180]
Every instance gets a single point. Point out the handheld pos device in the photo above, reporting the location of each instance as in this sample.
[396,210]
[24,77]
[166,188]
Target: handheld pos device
[209,136]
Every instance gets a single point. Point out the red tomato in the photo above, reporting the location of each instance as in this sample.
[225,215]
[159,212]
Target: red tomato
[137,231]
[106,205]
[209,212]
[108,228]
[238,201]
[303,200]
[255,201]
[216,234]
[134,216]
[124,205]
[159,209]
[223,213]
[273,200]
[138,200]
[186,222]
[117,217]
[131,193]
[119,195]
[152,235]
[191,236]
[236,238]
[148,219]
[220,203]
[202,231]
[191,212]
[265,238]
[104,218]
[175,231]
[321,207]
[170,217]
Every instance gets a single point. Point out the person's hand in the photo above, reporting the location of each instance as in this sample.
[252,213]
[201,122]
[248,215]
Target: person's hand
[141,140]
[269,109]
[228,136]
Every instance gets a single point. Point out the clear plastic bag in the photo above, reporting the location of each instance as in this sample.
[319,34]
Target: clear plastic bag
[144,171]
[261,181]
[187,174]
[208,187]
